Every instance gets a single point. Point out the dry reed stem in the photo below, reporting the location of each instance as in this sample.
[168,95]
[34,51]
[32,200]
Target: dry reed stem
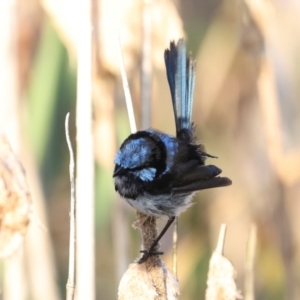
[72,243]
[85,242]
[126,88]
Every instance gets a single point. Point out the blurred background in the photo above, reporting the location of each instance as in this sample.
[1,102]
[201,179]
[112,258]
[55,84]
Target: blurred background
[247,112]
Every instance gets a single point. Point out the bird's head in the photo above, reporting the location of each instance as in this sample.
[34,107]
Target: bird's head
[141,155]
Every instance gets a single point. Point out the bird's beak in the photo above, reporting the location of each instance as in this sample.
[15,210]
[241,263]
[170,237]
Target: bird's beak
[118,171]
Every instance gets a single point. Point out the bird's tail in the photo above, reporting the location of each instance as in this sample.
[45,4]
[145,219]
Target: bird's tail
[181,77]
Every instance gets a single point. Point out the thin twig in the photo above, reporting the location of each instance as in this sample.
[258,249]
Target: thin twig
[72,243]
[126,88]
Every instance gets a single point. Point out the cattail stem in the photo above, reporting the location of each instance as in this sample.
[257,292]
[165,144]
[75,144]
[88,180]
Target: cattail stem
[154,267]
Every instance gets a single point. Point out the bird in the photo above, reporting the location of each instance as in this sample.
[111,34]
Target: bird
[158,173]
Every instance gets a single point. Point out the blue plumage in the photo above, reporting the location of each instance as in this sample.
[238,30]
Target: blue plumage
[133,154]
[158,173]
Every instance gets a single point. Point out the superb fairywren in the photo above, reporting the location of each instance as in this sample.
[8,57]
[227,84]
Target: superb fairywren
[158,173]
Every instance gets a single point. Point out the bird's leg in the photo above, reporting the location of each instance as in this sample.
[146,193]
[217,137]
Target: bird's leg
[151,251]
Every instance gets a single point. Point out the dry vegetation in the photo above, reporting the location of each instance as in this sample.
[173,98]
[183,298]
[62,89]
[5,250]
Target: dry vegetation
[247,112]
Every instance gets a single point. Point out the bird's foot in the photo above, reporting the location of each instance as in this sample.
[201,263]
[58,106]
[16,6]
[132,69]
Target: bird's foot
[147,254]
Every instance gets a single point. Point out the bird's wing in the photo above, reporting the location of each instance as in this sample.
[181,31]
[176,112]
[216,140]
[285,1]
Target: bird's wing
[202,185]
[191,178]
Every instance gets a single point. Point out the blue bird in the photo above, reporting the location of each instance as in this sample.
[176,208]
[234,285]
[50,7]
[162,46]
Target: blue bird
[158,173]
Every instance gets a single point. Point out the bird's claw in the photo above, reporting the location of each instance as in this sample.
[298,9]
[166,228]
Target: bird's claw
[147,254]
[152,252]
